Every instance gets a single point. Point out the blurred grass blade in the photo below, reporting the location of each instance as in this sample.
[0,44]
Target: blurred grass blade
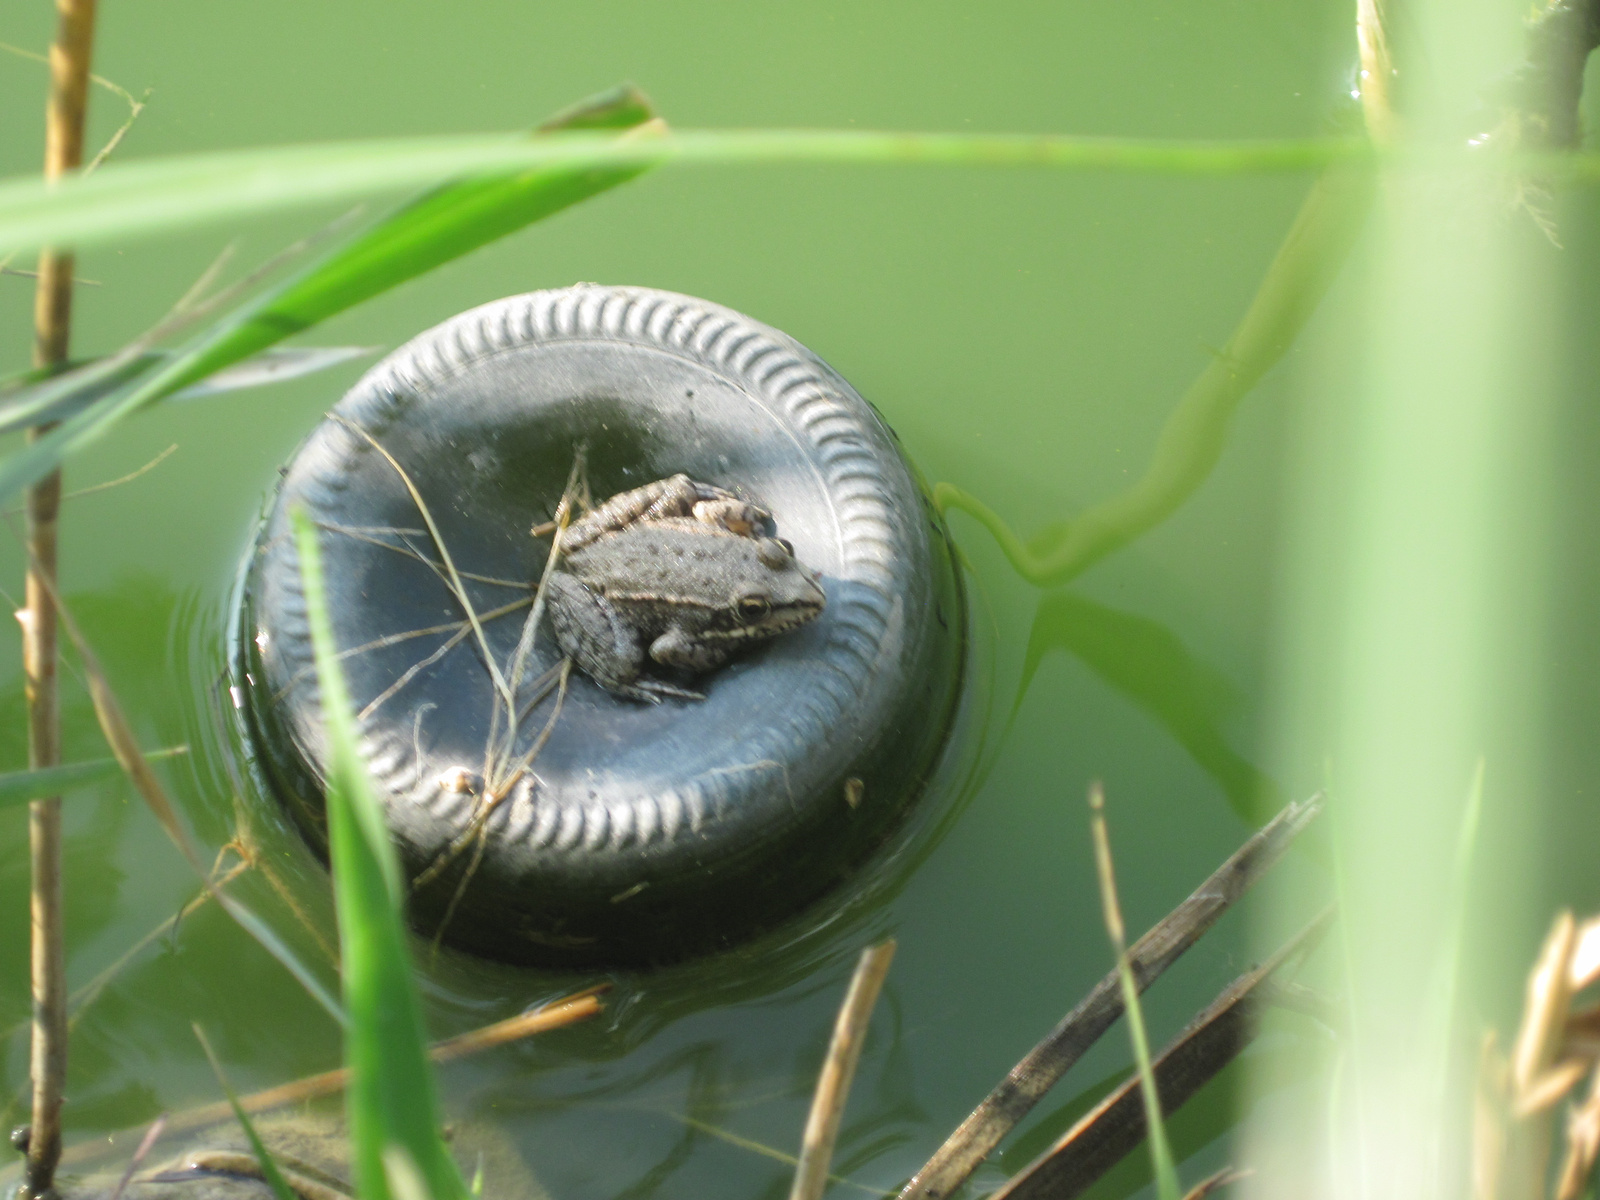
[61,397]
[433,229]
[19,787]
[178,192]
[269,1166]
[392,1111]
[40,397]
[277,365]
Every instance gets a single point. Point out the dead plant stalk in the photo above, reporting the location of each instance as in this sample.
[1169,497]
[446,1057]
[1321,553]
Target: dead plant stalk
[838,1070]
[64,113]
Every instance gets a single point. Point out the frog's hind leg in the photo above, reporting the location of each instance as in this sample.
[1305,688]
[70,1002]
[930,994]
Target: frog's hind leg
[592,632]
[663,500]
[674,496]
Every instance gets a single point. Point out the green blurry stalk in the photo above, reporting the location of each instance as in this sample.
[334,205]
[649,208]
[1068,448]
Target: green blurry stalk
[1196,433]
[433,229]
[393,1117]
[269,1167]
[63,152]
[1161,1164]
[178,192]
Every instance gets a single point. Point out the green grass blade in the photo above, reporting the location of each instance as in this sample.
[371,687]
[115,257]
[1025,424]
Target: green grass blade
[1161,1164]
[35,403]
[391,1096]
[137,198]
[269,1165]
[49,398]
[19,787]
[433,229]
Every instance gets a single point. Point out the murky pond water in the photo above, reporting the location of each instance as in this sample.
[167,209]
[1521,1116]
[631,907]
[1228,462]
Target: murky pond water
[1024,333]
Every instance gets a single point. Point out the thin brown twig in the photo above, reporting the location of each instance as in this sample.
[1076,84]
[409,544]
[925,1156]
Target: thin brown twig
[52,328]
[456,586]
[365,533]
[150,1136]
[77,282]
[112,483]
[838,1070]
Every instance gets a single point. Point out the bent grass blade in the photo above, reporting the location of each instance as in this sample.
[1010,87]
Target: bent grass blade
[391,1101]
[20,787]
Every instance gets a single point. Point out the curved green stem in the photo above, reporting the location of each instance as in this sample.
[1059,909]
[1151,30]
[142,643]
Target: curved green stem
[1193,438]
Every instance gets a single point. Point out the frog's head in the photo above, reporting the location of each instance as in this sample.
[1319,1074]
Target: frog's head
[775,593]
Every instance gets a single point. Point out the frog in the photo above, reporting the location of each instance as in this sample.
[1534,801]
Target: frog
[678,573]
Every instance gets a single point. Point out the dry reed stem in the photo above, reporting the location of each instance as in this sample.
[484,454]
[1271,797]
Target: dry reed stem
[1043,1066]
[64,114]
[1583,1145]
[1584,968]
[1489,1111]
[838,1070]
[1116,1125]
[569,1010]
[1538,1082]
[1378,73]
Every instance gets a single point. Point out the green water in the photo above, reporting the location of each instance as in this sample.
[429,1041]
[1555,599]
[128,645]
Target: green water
[1024,333]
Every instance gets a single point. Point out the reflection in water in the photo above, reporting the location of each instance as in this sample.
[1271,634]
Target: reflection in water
[679,1065]
[1146,662]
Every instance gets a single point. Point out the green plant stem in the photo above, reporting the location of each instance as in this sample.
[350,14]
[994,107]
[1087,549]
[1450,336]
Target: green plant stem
[1195,434]
[1166,1174]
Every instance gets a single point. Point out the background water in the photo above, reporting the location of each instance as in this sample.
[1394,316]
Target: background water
[1025,333]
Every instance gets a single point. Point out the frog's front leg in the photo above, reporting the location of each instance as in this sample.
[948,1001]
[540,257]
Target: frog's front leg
[675,648]
[601,643]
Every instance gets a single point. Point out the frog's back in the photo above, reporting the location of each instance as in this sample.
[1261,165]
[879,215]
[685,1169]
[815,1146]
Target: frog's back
[661,563]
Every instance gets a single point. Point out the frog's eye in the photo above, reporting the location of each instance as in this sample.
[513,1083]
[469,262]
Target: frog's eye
[752,607]
[774,552]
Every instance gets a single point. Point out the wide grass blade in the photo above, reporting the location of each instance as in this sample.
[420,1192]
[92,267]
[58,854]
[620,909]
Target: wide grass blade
[19,787]
[392,1111]
[438,226]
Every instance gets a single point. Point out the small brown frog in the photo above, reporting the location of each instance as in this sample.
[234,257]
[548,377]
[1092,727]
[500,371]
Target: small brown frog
[677,572]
